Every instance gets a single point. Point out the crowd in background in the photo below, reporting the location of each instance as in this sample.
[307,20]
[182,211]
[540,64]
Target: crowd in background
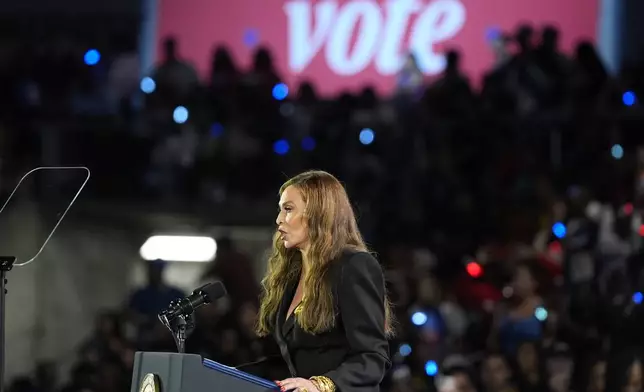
[505,213]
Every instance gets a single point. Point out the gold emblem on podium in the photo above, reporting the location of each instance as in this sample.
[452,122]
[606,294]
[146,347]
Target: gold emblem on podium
[150,383]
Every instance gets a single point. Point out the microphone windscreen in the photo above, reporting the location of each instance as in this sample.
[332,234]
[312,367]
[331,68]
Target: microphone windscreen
[214,291]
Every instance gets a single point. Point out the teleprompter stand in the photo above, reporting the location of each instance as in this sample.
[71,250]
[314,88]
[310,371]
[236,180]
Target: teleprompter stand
[52,190]
[6,264]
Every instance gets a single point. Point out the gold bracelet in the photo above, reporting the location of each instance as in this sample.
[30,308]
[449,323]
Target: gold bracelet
[323,384]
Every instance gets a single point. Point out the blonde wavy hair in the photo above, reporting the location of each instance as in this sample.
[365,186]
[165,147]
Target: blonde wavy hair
[332,228]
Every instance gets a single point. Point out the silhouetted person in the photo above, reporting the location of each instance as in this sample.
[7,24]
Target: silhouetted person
[223,70]
[451,96]
[175,78]
[307,95]
[149,300]
[235,270]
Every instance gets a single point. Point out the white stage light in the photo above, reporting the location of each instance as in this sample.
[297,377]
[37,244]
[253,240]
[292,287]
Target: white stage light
[179,248]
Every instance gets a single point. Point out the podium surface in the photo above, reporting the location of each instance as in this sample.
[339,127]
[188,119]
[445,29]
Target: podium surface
[172,372]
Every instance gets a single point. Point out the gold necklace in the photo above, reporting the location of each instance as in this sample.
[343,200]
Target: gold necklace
[298,308]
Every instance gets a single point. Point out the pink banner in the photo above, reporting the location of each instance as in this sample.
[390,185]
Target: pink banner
[348,44]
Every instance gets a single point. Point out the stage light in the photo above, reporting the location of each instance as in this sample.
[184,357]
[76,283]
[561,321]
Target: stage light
[179,248]
[308,144]
[281,147]
[367,136]
[617,151]
[180,115]
[216,130]
[541,313]
[251,38]
[629,98]
[92,57]
[404,349]
[493,33]
[280,91]
[431,368]
[559,230]
[148,85]
[637,298]
[474,269]
[419,318]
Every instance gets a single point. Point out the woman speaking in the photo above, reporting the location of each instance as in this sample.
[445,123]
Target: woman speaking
[324,297]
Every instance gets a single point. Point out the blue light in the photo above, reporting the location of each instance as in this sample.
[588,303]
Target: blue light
[418,318]
[180,115]
[251,37]
[492,33]
[629,98]
[637,298]
[431,368]
[148,85]
[92,57]
[216,130]
[308,144]
[404,349]
[281,147]
[617,151]
[367,136]
[559,230]
[541,313]
[280,91]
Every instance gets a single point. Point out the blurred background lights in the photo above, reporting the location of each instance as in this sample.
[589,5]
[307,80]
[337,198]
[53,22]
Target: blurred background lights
[493,33]
[559,230]
[637,298]
[92,57]
[617,151]
[367,136]
[404,349]
[216,130]
[251,37]
[629,98]
[179,248]
[280,91]
[308,144]
[474,269]
[281,147]
[541,313]
[180,115]
[431,368]
[148,85]
[419,318]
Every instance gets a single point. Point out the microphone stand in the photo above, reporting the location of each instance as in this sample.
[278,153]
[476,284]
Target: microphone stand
[6,264]
[181,327]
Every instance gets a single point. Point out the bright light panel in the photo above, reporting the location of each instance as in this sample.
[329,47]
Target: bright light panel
[179,248]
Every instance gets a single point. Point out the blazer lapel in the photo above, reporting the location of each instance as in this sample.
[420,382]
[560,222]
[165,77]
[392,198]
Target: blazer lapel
[280,327]
[282,323]
[289,324]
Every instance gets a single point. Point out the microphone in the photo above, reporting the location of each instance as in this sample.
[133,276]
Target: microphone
[186,306]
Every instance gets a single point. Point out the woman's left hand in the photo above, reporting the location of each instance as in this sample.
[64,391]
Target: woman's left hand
[297,385]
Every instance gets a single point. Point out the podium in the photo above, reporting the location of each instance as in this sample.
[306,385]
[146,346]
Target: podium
[172,372]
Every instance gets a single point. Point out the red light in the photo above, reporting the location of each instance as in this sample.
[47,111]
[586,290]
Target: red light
[474,269]
[641,231]
[628,208]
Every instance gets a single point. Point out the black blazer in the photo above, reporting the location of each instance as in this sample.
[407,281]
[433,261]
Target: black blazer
[355,352]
